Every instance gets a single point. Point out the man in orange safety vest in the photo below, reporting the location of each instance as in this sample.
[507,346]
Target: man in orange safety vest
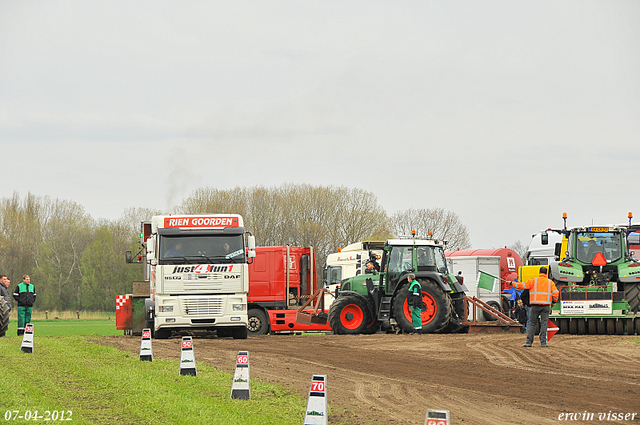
[543,295]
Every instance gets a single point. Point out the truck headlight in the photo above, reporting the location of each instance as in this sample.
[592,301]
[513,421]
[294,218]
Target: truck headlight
[239,307]
[165,309]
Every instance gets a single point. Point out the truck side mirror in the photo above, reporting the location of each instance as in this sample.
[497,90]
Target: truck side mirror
[151,253]
[557,250]
[251,254]
[544,239]
[251,243]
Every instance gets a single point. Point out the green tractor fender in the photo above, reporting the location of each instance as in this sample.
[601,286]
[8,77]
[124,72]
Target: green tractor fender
[560,274]
[438,278]
[629,272]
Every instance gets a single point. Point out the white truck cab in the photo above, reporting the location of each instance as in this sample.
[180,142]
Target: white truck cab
[199,273]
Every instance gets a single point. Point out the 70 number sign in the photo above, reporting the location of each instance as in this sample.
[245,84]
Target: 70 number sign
[317,386]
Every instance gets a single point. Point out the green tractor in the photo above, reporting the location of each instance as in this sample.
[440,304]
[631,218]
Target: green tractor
[368,302]
[598,279]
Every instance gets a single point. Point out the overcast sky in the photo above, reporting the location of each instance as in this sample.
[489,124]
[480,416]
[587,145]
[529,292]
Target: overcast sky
[506,113]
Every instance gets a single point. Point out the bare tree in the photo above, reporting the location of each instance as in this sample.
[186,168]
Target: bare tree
[445,225]
[299,215]
[520,249]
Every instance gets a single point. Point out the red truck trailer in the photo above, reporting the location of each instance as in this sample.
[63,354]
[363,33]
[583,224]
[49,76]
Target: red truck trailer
[281,280]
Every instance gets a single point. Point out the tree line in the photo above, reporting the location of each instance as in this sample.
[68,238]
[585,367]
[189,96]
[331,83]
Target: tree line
[78,263]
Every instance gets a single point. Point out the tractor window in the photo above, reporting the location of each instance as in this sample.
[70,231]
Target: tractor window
[441,260]
[589,244]
[399,261]
[426,260]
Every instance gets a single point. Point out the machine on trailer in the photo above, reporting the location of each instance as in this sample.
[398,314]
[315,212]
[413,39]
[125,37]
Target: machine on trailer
[598,278]
[368,302]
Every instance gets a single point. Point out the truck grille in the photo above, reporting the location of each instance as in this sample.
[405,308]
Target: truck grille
[203,307]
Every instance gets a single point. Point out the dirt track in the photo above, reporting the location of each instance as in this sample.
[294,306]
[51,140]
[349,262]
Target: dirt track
[482,378]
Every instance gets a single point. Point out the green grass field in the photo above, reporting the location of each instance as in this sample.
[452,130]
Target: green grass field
[95,384]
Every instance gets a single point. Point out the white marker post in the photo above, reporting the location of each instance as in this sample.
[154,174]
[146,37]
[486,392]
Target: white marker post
[187,358]
[317,402]
[146,353]
[240,387]
[27,339]
[437,417]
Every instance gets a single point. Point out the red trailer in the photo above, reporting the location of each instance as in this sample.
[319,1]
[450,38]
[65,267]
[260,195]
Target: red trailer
[281,280]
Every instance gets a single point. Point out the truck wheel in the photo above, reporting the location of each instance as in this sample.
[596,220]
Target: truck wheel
[224,332]
[438,308]
[349,315]
[162,333]
[258,322]
[632,296]
[506,308]
[5,310]
[239,332]
[488,316]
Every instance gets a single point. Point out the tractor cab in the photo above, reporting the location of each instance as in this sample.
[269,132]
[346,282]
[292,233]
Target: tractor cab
[402,257]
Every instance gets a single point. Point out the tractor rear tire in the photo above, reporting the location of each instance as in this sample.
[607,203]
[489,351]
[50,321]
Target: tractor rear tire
[5,310]
[438,311]
[455,322]
[372,328]
[258,322]
[632,296]
[349,315]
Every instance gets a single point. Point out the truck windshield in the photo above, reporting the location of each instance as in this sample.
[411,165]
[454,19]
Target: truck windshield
[589,244]
[209,249]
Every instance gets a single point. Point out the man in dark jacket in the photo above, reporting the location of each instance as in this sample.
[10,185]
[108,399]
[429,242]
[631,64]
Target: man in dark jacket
[4,293]
[25,294]
[520,313]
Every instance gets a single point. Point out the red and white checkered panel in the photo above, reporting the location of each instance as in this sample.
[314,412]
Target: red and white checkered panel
[121,300]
